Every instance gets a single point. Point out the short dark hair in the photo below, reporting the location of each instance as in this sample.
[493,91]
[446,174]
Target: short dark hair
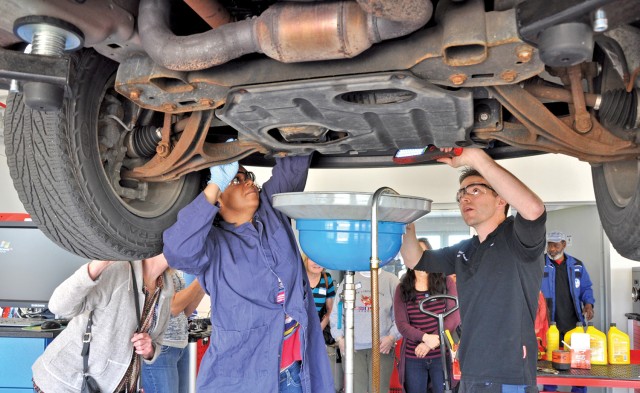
[468,172]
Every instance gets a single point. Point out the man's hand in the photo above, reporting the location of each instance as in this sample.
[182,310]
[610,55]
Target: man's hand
[457,161]
[142,345]
[386,344]
[587,311]
[422,350]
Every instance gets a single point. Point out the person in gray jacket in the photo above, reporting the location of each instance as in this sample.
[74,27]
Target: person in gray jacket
[106,289]
[389,333]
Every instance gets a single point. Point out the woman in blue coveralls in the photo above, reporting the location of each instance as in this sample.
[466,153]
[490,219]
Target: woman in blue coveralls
[266,336]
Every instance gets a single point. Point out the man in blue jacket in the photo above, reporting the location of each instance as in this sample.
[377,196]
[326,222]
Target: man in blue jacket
[567,288]
[265,335]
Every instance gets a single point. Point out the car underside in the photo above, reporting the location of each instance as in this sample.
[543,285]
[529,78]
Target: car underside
[116,107]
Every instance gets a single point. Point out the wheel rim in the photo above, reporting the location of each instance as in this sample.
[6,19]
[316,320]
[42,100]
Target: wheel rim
[622,181]
[143,199]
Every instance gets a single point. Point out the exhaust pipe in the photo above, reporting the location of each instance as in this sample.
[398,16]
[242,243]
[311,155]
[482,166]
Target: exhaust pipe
[287,32]
[210,11]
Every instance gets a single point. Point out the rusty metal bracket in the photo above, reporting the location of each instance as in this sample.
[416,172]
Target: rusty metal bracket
[541,130]
[192,153]
[164,147]
[582,121]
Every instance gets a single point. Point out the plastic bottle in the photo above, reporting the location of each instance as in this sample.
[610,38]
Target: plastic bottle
[598,341]
[553,340]
[619,346]
[578,329]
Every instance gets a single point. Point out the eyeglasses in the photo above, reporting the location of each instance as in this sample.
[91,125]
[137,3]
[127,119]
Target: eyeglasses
[473,189]
[242,177]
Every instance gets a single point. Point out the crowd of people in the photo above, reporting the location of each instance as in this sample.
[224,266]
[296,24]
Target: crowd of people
[273,310]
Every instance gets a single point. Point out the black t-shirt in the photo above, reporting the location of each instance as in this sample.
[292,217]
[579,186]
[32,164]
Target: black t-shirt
[565,317]
[498,284]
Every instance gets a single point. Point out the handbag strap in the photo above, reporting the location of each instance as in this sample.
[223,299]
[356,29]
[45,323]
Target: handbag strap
[135,296]
[86,341]
[137,302]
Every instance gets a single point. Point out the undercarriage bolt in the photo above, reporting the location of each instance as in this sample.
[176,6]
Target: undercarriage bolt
[207,102]
[509,75]
[162,150]
[484,116]
[524,53]
[600,21]
[169,107]
[48,42]
[458,79]
[134,94]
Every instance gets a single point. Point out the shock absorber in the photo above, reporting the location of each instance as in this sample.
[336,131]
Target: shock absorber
[620,108]
[142,141]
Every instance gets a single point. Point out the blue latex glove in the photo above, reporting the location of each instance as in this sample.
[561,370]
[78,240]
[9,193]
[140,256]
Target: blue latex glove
[221,175]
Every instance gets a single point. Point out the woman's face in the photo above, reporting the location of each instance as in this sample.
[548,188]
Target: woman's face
[313,267]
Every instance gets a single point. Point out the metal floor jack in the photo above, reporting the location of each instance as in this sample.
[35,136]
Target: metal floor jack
[443,338]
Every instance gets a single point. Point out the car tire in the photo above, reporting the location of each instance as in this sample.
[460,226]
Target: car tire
[617,190]
[616,184]
[58,166]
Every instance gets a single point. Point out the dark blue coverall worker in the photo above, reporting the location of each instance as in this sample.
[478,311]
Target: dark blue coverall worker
[265,334]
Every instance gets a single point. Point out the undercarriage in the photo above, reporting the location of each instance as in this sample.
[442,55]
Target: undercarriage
[154,88]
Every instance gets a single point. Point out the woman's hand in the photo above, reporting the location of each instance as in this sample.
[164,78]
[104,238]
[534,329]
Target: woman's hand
[143,345]
[340,342]
[386,344]
[97,267]
[431,340]
[324,321]
[422,350]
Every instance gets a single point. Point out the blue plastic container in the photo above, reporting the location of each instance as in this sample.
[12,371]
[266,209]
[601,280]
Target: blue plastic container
[346,244]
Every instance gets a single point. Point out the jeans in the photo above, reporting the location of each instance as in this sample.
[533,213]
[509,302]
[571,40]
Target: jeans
[169,373]
[290,379]
[418,373]
[492,387]
[574,389]
[514,388]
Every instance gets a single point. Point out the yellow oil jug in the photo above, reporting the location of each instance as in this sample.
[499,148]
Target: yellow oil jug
[578,329]
[618,345]
[598,341]
[553,340]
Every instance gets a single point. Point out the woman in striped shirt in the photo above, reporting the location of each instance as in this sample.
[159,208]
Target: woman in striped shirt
[420,361]
[323,291]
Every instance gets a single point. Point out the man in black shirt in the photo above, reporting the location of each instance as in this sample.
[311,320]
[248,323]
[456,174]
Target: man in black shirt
[499,272]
